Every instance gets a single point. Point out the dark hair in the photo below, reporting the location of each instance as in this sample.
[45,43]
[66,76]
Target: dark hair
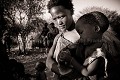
[94,18]
[41,66]
[67,4]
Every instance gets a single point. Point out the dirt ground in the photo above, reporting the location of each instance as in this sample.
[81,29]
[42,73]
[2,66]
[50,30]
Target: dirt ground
[30,61]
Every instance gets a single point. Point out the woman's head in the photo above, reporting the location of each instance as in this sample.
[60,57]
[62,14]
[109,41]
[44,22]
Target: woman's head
[61,11]
[67,4]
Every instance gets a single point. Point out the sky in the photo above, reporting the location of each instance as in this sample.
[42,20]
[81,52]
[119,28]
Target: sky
[79,5]
[110,4]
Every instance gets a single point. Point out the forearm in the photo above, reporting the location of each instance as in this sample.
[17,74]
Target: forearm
[49,63]
[85,70]
[76,65]
[52,65]
[80,68]
[49,60]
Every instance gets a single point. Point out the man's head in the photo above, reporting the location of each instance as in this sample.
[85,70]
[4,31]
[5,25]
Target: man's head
[91,26]
[52,25]
[61,11]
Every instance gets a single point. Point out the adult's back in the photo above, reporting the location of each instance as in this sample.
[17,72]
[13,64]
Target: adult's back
[111,47]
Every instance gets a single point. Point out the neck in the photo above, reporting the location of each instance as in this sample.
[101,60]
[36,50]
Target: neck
[72,26]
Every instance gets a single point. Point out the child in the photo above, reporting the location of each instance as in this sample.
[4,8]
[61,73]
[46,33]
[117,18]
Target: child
[40,71]
[91,27]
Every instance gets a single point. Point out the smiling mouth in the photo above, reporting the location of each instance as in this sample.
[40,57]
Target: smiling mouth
[62,27]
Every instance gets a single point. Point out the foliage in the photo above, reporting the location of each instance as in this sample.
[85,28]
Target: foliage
[35,6]
[21,17]
[19,13]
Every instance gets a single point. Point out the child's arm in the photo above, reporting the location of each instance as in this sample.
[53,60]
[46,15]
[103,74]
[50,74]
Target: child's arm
[50,63]
[87,70]
[84,70]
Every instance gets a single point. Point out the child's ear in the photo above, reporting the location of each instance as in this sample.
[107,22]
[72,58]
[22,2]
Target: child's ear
[97,28]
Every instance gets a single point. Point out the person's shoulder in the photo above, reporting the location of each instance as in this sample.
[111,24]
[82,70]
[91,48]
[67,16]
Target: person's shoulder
[110,36]
[73,33]
[73,36]
[57,36]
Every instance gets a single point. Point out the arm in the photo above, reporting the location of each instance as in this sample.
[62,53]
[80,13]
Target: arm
[50,63]
[84,70]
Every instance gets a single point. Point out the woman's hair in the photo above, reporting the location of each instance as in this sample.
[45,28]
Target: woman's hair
[94,18]
[67,4]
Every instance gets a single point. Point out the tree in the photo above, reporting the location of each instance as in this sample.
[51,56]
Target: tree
[18,15]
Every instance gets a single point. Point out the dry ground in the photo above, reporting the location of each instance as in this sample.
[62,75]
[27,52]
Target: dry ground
[31,59]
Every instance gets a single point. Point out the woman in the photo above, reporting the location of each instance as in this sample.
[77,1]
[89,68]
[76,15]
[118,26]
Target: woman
[61,11]
[91,27]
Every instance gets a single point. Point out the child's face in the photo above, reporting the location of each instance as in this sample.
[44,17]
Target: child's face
[87,33]
[62,17]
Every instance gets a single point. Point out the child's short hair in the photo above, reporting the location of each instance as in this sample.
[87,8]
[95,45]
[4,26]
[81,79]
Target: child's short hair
[40,66]
[94,18]
[67,4]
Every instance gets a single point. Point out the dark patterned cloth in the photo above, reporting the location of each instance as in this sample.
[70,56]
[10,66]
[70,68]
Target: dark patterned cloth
[112,48]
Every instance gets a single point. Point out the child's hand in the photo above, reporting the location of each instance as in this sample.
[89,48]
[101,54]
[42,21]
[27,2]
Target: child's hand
[65,55]
[86,62]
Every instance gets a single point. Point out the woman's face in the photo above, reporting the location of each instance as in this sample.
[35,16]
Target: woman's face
[62,17]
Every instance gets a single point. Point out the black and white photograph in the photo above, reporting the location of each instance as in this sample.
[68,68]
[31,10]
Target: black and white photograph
[59,40]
